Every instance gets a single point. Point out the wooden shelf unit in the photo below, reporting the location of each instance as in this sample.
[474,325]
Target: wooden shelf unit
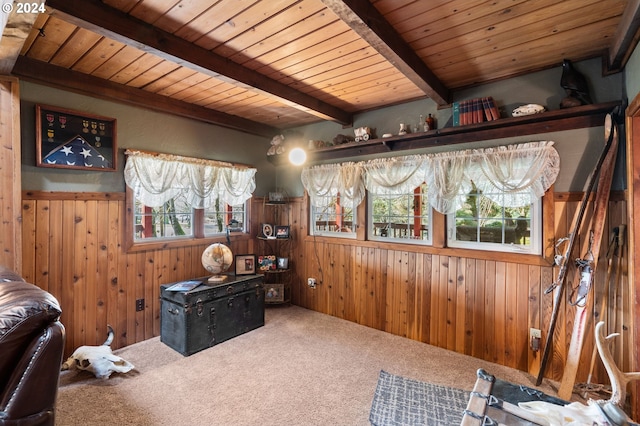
[546,122]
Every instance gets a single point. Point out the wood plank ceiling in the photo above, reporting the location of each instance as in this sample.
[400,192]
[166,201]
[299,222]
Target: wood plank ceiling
[265,65]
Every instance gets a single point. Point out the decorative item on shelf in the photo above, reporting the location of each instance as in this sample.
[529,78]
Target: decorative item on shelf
[528,109]
[429,123]
[316,143]
[472,111]
[267,231]
[267,263]
[245,264]
[274,293]
[575,85]
[283,263]
[282,231]
[276,197]
[403,129]
[277,145]
[217,258]
[340,139]
[363,134]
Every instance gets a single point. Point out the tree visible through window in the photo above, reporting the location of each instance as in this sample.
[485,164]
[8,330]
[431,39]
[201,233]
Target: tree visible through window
[177,219]
[333,217]
[484,222]
[400,216]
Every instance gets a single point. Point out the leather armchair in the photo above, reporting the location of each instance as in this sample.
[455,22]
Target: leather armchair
[31,350]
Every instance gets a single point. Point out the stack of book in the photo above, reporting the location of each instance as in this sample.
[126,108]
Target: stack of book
[475,110]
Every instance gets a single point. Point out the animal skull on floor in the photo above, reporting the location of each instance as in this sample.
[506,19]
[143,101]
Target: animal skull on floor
[99,360]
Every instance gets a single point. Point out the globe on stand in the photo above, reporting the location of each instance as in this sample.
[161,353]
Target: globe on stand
[217,259]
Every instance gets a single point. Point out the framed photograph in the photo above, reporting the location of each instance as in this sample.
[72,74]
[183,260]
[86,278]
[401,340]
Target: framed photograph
[267,230]
[267,263]
[282,232]
[74,140]
[273,293]
[245,264]
[283,263]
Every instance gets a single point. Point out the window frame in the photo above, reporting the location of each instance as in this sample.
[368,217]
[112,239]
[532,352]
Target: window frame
[371,235]
[197,238]
[334,234]
[536,232]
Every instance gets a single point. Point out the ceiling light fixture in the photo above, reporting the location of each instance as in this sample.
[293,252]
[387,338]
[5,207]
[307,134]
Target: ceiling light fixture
[297,156]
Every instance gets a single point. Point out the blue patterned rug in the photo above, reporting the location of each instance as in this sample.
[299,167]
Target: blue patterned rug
[401,401]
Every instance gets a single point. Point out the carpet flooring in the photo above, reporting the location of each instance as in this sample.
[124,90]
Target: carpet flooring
[302,368]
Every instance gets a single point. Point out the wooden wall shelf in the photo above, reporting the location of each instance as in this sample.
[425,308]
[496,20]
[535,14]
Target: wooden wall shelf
[550,121]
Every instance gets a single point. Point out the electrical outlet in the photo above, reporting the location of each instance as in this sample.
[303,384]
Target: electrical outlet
[311,282]
[534,339]
[139,305]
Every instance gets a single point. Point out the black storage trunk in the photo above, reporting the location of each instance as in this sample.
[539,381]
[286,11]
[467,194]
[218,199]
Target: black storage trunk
[197,319]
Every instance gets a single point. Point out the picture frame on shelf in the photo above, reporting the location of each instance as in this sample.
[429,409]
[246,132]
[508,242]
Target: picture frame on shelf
[273,293]
[267,263]
[245,264]
[282,231]
[70,139]
[283,263]
[267,231]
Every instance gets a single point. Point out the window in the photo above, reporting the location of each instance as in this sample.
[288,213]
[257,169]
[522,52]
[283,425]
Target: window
[484,224]
[333,216]
[177,219]
[222,217]
[175,197]
[172,219]
[491,196]
[402,218]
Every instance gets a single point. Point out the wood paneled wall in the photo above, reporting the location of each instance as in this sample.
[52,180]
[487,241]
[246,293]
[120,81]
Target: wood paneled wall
[479,304]
[74,248]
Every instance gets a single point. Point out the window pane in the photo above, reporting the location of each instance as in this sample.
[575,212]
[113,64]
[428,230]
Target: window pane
[220,216]
[173,219]
[483,223]
[400,217]
[333,217]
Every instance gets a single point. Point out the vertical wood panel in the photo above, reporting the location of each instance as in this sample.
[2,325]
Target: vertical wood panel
[78,268]
[102,272]
[479,311]
[29,230]
[11,234]
[512,283]
[490,325]
[91,271]
[42,246]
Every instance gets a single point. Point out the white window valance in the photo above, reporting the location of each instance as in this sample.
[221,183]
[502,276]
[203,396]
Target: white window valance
[520,173]
[157,178]
[329,180]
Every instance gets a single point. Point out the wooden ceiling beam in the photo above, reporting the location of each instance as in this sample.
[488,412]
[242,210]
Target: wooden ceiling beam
[14,29]
[109,22]
[626,38]
[52,75]
[363,18]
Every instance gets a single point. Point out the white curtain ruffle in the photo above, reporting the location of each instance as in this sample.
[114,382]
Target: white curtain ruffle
[519,174]
[157,178]
[329,180]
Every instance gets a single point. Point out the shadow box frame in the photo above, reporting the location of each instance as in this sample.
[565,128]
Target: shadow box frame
[241,264]
[56,127]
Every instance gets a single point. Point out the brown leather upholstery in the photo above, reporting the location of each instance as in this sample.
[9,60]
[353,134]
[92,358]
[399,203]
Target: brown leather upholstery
[31,350]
